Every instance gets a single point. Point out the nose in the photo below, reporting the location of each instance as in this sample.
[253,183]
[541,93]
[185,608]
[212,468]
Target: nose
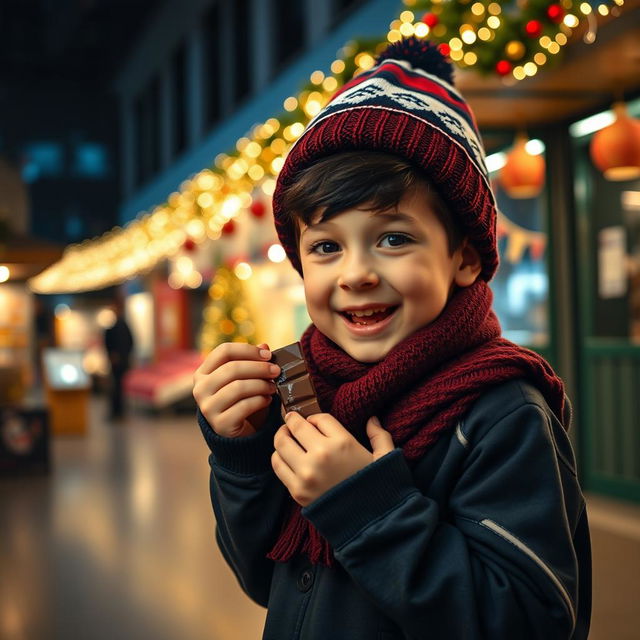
[358,273]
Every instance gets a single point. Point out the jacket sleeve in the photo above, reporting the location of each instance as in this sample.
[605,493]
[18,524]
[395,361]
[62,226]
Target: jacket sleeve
[248,502]
[499,564]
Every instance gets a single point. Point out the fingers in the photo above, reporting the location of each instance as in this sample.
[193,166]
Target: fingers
[288,447]
[235,374]
[304,431]
[233,384]
[233,392]
[282,470]
[230,351]
[288,463]
[234,421]
[233,371]
[381,441]
[326,424]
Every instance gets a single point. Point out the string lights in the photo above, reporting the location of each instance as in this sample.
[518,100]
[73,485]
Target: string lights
[512,39]
[208,202]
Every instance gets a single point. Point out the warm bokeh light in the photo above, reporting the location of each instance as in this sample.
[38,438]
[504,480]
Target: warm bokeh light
[207,200]
[276,253]
[243,270]
[106,318]
[290,104]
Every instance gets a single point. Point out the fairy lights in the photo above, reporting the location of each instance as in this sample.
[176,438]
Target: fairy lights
[479,35]
[497,39]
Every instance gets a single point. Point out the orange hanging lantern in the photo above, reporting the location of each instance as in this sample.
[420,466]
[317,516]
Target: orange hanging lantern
[523,174]
[615,150]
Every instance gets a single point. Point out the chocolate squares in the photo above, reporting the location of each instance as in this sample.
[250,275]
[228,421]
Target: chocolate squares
[294,384]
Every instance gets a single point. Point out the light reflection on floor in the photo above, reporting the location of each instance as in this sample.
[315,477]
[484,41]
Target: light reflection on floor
[118,541]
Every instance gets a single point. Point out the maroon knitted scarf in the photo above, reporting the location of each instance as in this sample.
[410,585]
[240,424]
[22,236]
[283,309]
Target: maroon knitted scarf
[422,388]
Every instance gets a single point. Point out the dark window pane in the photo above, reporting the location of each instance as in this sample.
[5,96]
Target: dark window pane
[91,160]
[141,133]
[153,113]
[241,30]
[342,8]
[343,5]
[211,80]
[290,30]
[147,132]
[179,99]
[42,159]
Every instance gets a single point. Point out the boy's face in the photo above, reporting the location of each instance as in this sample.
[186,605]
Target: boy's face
[373,278]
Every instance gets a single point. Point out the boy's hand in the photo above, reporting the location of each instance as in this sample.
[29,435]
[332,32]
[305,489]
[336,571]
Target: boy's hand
[315,454]
[233,388]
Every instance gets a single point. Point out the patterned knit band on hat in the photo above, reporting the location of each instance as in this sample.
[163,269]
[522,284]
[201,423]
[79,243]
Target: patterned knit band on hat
[405,105]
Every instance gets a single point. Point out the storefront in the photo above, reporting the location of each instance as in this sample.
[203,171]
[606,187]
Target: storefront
[607,229]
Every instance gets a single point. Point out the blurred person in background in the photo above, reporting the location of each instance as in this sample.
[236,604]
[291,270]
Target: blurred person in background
[118,343]
[45,335]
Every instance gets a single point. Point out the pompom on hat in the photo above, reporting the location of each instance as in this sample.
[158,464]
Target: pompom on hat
[405,105]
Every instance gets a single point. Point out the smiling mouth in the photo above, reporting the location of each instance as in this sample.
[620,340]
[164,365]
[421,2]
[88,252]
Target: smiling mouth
[369,316]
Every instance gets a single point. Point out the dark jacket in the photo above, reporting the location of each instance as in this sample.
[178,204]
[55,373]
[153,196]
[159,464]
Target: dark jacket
[485,537]
[118,343]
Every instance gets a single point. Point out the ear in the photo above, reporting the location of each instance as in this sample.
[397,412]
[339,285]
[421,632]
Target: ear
[468,264]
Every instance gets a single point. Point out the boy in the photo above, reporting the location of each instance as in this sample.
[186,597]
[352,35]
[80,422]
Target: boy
[436,497]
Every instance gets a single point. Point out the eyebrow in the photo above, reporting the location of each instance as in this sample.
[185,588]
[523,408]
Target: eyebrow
[390,216]
[393,216]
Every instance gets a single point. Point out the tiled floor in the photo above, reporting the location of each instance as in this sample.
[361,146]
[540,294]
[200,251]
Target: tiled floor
[615,540]
[118,543]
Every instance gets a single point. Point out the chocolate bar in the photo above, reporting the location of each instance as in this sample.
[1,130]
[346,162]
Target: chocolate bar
[294,383]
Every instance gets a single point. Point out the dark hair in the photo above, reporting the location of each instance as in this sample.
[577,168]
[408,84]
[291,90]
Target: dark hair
[354,178]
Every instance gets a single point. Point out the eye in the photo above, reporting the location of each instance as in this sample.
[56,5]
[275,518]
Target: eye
[394,240]
[324,247]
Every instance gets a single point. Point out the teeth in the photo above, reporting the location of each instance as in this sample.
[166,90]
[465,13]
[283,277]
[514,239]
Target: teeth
[367,312]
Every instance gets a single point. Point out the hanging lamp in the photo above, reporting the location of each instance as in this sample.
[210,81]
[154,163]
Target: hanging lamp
[615,150]
[522,176]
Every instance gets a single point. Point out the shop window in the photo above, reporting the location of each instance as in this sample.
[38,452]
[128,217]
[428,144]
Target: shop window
[73,227]
[212,67]
[289,32]
[611,246]
[613,287]
[147,132]
[42,159]
[241,27]
[341,8]
[521,285]
[90,160]
[179,100]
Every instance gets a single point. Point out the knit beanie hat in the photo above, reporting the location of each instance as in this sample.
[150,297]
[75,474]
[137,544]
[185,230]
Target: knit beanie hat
[405,105]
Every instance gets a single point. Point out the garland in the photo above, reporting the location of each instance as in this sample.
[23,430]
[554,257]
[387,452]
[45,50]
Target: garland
[507,38]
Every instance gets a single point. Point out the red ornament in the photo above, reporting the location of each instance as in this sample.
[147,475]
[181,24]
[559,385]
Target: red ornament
[430,19]
[555,13]
[503,67]
[444,48]
[228,228]
[258,209]
[189,245]
[533,28]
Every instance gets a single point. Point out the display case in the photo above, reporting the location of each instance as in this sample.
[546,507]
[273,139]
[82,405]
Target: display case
[15,343]
[67,387]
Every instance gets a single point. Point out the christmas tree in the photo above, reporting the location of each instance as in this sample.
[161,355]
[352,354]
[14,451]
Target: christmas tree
[226,316]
